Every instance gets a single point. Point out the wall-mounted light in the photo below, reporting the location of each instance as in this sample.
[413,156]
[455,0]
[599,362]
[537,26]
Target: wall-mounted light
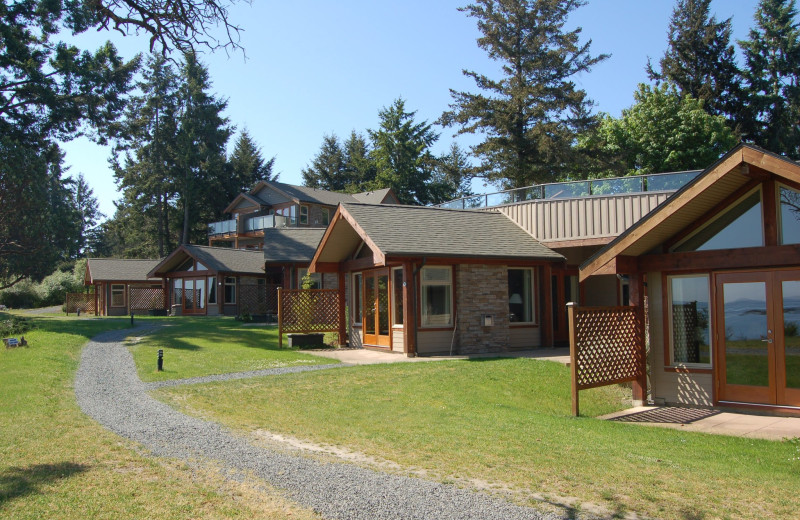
[487,320]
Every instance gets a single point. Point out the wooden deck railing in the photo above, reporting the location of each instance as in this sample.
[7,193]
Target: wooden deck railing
[607,346]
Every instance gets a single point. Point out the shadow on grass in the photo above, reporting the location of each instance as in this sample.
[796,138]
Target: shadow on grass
[16,482]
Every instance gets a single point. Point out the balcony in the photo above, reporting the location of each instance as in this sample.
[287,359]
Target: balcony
[575,189]
[226,227]
[250,225]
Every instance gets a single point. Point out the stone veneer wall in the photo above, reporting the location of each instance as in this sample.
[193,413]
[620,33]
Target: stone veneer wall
[482,289]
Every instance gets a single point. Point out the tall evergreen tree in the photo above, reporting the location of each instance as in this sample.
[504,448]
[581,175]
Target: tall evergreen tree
[247,165]
[532,115]
[700,59]
[402,154]
[327,169]
[359,168]
[200,151]
[453,176]
[88,214]
[772,78]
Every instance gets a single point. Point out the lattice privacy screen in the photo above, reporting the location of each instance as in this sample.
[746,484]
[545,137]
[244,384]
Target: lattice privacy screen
[313,310]
[82,301]
[146,298]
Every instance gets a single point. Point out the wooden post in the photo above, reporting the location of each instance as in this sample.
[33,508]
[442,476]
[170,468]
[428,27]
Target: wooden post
[342,310]
[409,314]
[280,321]
[636,294]
[573,357]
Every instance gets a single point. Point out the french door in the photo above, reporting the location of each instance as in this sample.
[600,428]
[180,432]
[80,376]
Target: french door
[194,296]
[376,320]
[758,337]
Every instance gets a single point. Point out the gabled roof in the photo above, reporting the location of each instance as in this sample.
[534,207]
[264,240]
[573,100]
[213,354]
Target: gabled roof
[255,201]
[417,231]
[739,167]
[384,196]
[217,259]
[300,194]
[119,270]
[291,245]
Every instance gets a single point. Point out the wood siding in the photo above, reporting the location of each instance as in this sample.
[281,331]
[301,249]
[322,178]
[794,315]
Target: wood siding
[582,218]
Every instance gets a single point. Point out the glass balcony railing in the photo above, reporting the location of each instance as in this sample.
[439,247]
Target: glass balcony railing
[265,222]
[574,189]
[222,228]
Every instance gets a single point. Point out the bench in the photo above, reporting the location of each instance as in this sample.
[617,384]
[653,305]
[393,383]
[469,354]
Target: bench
[11,342]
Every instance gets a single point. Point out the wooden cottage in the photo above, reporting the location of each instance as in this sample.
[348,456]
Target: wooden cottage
[122,287]
[719,265]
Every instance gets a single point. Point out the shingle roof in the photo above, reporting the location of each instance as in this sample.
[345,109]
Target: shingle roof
[306,194]
[227,259]
[291,244]
[117,269]
[425,231]
[372,197]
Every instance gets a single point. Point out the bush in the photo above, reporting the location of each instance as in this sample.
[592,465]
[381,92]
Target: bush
[14,325]
[53,289]
[22,295]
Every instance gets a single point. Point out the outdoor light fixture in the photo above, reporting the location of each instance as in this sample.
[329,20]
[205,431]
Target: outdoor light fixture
[487,320]
[515,298]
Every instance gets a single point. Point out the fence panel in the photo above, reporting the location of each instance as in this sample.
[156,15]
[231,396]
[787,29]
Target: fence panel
[82,301]
[146,298]
[304,311]
[607,346]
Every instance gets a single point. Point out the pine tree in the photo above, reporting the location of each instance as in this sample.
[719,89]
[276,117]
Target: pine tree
[772,78]
[402,155]
[247,165]
[327,169]
[532,115]
[359,168]
[700,59]
[452,178]
[85,204]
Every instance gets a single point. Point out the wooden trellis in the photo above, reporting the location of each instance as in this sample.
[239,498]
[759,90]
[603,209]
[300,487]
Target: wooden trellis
[307,310]
[146,298]
[82,301]
[607,346]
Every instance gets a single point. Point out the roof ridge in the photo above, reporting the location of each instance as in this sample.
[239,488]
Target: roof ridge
[483,211]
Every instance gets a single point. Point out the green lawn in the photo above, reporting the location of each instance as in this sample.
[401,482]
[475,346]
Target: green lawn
[204,346]
[57,463]
[507,423]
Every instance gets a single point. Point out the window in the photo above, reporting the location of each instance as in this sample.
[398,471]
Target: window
[789,215]
[304,215]
[326,216]
[117,295]
[230,289]
[397,296]
[738,226]
[520,295]
[316,279]
[356,292]
[187,265]
[177,292]
[201,267]
[437,296]
[212,289]
[689,324]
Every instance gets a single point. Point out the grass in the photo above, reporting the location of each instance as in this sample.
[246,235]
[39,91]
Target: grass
[57,463]
[507,423]
[205,346]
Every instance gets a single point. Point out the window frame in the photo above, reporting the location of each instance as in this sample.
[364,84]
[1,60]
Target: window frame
[531,295]
[670,363]
[229,281]
[211,290]
[394,310]
[358,298]
[119,292]
[326,216]
[779,210]
[304,211]
[435,283]
[301,272]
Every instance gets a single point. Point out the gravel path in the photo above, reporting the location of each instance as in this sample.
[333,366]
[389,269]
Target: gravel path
[108,389]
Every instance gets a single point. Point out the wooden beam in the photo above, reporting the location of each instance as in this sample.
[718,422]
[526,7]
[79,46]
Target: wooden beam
[325,267]
[769,194]
[767,256]
[573,358]
[547,311]
[636,296]
[617,265]
[409,316]
[581,242]
[360,264]
[342,311]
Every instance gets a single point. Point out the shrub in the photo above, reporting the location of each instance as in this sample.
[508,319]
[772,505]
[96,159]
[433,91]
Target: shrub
[53,289]
[22,295]
[14,325]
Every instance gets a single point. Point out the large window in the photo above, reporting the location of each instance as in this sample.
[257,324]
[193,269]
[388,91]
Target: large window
[689,323]
[230,289]
[117,295]
[177,291]
[397,296]
[357,306]
[316,279]
[789,215]
[738,226]
[212,289]
[304,215]
[520,295]
[326,216]
[437,296]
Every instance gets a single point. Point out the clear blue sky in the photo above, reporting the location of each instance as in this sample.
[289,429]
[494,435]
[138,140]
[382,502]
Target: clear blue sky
[317,67]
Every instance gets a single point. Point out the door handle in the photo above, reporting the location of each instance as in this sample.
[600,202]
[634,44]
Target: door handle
[767,340]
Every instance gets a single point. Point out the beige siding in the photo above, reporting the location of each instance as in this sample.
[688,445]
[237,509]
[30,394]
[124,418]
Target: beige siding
[524,337]
[671,387]
[582,218]
[397,339]
[435,342]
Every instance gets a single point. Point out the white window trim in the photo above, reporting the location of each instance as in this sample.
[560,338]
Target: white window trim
[534,307]
[394,306]
[121,292]
[423,284]
[670,346]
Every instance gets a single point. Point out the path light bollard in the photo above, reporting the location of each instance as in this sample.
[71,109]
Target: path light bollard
[160,360]
[131,318]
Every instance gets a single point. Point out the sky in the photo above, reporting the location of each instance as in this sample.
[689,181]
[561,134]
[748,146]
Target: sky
[314,67]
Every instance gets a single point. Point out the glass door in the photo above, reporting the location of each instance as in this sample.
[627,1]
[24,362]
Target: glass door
[377,323]
[194,301]
[758,341]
